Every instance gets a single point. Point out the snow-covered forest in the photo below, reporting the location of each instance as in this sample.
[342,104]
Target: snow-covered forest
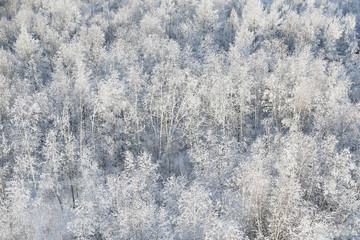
[179,119]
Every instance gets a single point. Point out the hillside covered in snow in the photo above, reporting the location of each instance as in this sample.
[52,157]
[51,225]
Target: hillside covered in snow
[179,119]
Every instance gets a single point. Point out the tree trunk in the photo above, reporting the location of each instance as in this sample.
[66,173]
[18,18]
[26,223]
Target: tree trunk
[2,188]
[114,143]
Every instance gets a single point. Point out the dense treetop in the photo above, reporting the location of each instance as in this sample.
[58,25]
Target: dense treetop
[179,119]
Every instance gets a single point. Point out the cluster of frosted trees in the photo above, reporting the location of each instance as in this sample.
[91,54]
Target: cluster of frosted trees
[179,119]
